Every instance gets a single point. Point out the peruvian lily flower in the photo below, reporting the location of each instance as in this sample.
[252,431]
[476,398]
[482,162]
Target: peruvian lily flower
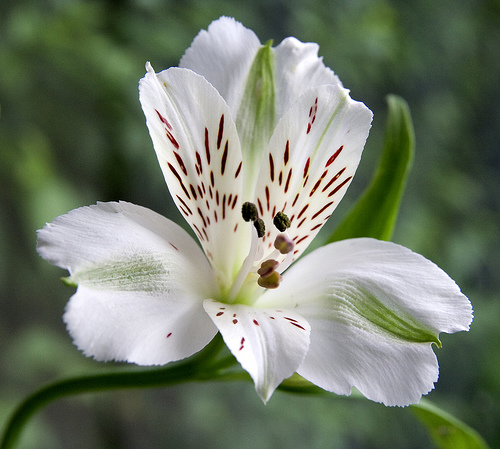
[258,146]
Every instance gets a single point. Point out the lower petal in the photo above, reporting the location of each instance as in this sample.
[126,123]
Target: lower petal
[138,327]
[270,344]
[383,368]
[141,283]
[375,308]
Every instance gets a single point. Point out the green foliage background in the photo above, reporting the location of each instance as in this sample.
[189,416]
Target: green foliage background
[72,133]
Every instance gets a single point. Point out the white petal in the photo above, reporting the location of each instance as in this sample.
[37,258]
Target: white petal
[139,327]
[270,344]
[199,152]
[223,55]
[298,68]
[141,282]
[310,161]
[374,309]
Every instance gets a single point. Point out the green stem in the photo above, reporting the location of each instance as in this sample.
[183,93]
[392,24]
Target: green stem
[202,366]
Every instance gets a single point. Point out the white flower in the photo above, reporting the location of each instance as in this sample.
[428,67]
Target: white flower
[244,131]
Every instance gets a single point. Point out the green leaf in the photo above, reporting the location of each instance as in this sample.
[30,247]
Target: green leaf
[375,213]
[447,431]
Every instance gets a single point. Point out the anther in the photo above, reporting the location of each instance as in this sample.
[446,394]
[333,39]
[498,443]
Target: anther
[281,221]
[284,244]
[249,211]
[267,268]
[271,281]
[260,226]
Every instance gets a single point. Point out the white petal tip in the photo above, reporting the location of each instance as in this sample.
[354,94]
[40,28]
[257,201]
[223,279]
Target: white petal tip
[149,68]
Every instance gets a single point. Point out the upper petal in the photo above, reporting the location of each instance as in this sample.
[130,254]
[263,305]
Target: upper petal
[374,309]
[310,161]
[298,68]
[141,282]
[269,343]
[223,55]
[198,149]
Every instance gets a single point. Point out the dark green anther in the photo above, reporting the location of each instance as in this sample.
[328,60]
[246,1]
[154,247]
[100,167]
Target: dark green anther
[281,221]
[249,211]
[260,226]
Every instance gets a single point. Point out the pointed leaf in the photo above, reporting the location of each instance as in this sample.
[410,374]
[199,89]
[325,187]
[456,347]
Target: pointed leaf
[447,431]
[375,213]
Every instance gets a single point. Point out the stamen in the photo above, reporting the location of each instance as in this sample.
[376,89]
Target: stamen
[260,226]
[267,268]
[281,221]
[271,281]
[284,244]
[249,211]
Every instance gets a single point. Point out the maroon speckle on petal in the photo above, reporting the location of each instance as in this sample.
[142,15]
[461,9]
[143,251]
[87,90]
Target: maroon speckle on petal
[342,184]
[306,167]
[200,213]
[221,131]
[235,321]
[172,139]
[298,325]
[287,184]
[255,322]
[207,146]
[164,120]
[334,156]
[224,159]
[326,206]
[184,204]
[302,239]
[337,176]
[271,167]
[286,156]
[302,211]
[315,187]
[193,191]
[174,171]
[169,334]
[238,170]
[261,210]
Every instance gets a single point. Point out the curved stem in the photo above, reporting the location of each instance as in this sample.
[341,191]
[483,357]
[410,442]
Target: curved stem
[202,366]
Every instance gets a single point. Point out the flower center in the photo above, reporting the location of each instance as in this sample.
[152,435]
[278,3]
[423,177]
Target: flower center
[256,272]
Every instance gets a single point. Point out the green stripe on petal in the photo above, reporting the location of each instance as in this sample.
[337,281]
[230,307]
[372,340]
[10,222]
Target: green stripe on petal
[144,273]
[359,307]
[257,112]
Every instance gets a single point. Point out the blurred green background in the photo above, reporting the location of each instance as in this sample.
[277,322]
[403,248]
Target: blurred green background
[72,133]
